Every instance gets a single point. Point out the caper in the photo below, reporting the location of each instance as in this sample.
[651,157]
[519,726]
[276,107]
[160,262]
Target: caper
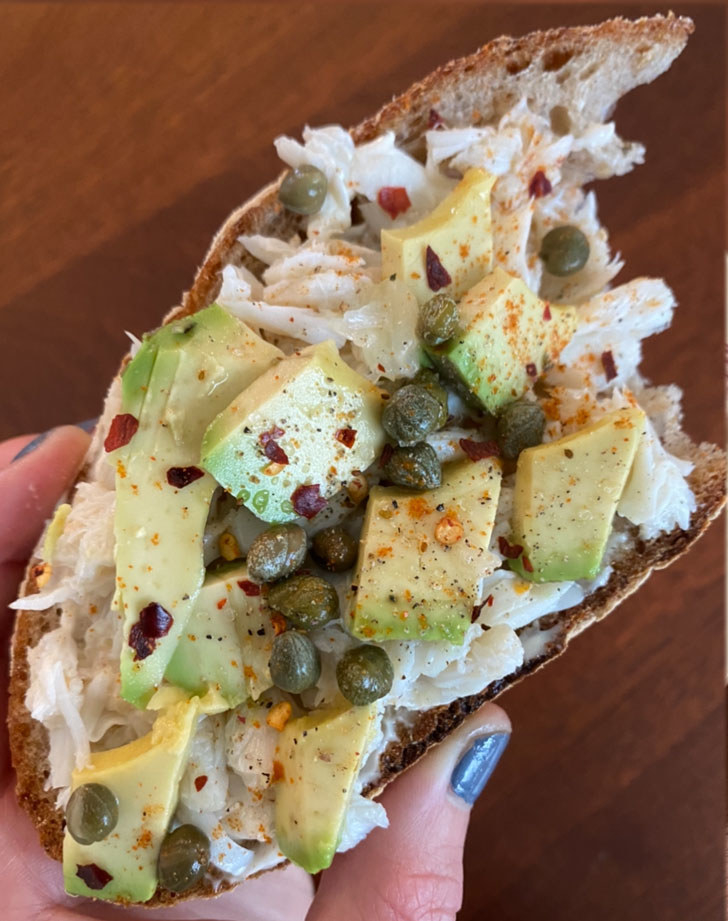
[564,250]
[520,426]
[416,467]
[307,601]
[183,858]
[335,549]
[364,674]
[276,553]
[304,189]
[438,319]
[92,813]
[428,379]
[410,414]
[295,663]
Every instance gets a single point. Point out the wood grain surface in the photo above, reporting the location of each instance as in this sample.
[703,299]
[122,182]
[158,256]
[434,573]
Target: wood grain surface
[131,130]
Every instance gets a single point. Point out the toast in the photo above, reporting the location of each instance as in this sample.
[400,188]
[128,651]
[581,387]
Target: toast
[566,68]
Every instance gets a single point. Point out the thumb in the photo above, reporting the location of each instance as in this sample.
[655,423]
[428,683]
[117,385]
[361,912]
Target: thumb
[413,869]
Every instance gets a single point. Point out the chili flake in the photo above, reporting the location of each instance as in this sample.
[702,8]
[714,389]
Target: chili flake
[437,275]
[547,312]
[94,876]
[307,500]
[476,612]
[477,450]
[346,436]
[154,622]
[179,477]
[121,431]
[539,185]
[249,588]
[511,551]
[272,450]
[531,369]
[435,120]
[200,782]
[527,564]
[394,200]
[610,369]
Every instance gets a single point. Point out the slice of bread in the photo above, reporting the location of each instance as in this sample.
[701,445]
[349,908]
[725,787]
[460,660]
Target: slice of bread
[575,73]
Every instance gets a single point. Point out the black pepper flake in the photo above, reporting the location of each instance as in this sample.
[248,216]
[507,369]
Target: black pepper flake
[440,508]
[568,452]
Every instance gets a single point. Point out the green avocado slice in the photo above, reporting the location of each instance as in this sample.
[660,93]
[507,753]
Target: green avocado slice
[182,376]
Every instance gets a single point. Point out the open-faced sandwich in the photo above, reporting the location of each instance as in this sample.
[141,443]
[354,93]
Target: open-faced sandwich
[389,455]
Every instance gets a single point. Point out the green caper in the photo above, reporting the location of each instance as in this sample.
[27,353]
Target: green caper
[303,190]
[364,674]
[520,426]
[307,601]
[410,414]
[564,250]
[183,858]
[276,553]
[428,379]
[335,549]
[416,467]
[294,663]
[92,813]
[438,319]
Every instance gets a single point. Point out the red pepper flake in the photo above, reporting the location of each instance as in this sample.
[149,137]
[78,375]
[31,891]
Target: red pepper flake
[511,551]
[93,875]
[154,622]
[531,369]
[346,437]
[437,275]
[179,477]
[278,772]
[272,450]
[435,120]
[539,185]
[478,450]
[527,564]
[200,782]
[250,588]
[221,604]
[121,431]
[307,500]
[386,455]
[394,200]
[610,369]
[476,612]
[547,312]
[489,601]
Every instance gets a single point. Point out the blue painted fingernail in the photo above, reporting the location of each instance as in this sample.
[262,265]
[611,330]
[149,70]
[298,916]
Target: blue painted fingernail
[89,425]
[32,445]
[473,770]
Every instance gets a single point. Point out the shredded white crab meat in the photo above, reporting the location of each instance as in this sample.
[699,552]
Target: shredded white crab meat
[329,286]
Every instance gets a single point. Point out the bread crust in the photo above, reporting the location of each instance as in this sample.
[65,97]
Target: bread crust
[476,90]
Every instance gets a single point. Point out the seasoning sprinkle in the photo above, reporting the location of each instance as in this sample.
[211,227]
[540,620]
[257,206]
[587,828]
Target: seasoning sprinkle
[394,200]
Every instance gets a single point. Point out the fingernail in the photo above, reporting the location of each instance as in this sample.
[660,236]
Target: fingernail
[473,770]
[32,445]
[89,425]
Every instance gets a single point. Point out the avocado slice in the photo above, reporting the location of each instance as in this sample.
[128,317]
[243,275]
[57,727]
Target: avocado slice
[566,495]
[144,776]
[319,756]
[181,377]
[228,639]
[295,435]
[508,334]
[423,554]
[458,232]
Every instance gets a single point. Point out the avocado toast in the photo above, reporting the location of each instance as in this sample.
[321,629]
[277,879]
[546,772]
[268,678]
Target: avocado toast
[595,599]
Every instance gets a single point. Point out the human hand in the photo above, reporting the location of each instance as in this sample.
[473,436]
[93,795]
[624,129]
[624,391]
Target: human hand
[409,871]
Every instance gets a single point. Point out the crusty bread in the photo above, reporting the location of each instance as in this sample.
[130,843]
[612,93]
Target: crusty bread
[584,70]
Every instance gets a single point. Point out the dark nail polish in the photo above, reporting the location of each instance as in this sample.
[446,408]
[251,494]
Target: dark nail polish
[473,770]
[32,445]
[88,425]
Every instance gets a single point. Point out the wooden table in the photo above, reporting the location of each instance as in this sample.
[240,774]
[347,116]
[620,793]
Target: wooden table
[129,132]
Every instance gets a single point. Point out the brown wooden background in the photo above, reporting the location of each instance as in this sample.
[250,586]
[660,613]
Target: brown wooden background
[128,133]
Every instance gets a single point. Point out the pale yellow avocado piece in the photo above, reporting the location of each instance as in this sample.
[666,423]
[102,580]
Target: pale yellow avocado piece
[54,531]
[144,775]
[318,756]
[423,554]
[322,416]
[459,233]
[566,495]
[508,333]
